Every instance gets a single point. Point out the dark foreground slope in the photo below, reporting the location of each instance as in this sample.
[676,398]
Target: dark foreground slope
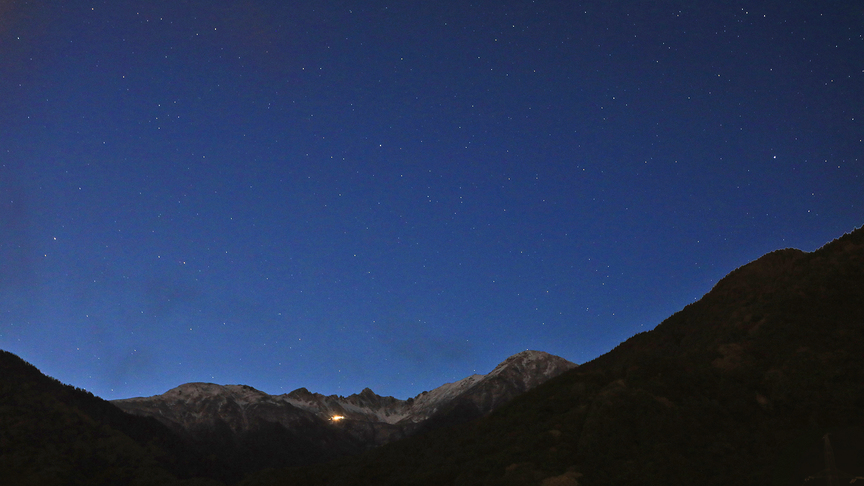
[737,388]
[55,434]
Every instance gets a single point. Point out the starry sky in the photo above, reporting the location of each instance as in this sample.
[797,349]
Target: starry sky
[338,195]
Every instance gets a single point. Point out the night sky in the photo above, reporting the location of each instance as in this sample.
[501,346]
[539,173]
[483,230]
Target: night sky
[338,195]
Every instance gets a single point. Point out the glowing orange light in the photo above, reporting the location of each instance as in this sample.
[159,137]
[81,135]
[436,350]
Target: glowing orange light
[336,418]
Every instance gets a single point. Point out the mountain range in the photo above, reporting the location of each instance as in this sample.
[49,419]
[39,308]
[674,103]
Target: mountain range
[335,425]
[204,432]
[760,381]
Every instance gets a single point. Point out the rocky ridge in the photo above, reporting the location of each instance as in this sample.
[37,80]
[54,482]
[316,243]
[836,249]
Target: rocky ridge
[364,419]
[515,375]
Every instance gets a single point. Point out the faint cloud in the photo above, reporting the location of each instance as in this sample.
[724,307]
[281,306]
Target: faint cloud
[164,295]
[10,12]
[16,245]
[418,344]
[136,364]
[425,350]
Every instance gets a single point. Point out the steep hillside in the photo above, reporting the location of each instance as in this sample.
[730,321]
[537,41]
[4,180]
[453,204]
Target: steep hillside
[54,434]
[737,388]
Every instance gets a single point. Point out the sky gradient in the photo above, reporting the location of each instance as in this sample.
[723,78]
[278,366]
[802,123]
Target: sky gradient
[339,195]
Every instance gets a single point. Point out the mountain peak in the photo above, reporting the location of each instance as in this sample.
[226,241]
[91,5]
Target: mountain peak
[530,362]
[529,355]
[301,394]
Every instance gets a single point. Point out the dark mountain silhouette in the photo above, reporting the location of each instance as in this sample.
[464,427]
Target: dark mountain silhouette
[55,434]
[737,388]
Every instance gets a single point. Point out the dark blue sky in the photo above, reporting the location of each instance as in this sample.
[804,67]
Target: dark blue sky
[396,195]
